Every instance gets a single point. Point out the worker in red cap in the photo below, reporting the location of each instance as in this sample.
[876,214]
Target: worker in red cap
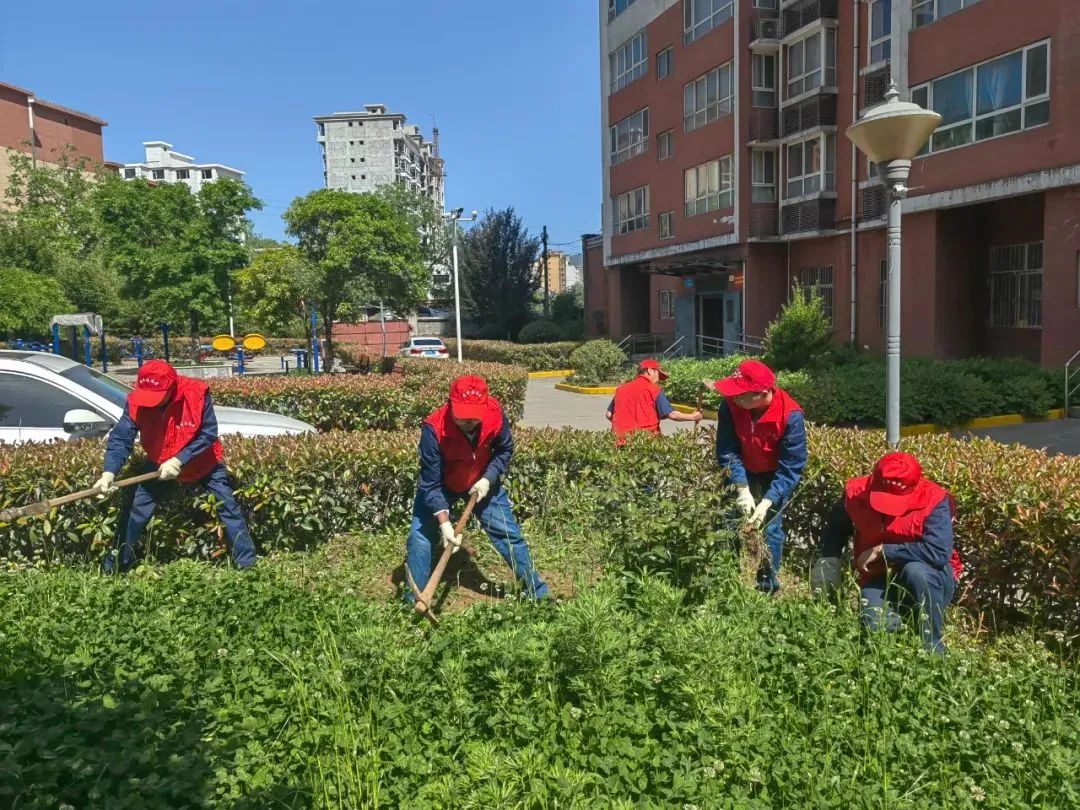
[173,417]
[904,553]
[465,448]
[761,442]
[641,403]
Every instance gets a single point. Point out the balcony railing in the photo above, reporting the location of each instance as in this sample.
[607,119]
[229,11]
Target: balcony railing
[764,221]
[809,215]
[873,204]
[876,85]
[820,110]
[764,125]
[806,12]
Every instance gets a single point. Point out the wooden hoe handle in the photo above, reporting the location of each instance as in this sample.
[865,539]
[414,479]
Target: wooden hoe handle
[44,507]
[423,598]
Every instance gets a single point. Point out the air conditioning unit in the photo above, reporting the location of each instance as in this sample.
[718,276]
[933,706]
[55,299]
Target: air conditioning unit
[768,28]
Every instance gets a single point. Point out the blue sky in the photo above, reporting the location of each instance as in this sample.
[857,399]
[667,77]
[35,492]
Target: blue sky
[514,87]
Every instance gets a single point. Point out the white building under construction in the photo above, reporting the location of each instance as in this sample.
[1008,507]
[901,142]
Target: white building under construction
[362,151]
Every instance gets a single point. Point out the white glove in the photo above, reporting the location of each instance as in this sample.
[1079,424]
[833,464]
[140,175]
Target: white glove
[104,484]
[744,500]
[758,517]
[448,536]
[170,469]
[481,488]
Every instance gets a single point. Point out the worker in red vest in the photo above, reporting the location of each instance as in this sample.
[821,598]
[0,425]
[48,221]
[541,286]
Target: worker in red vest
[465,448]
[761,442]
[904,554]
[641,403]
[173,417]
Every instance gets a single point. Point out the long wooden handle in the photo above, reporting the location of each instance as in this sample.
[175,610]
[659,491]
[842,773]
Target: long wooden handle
[43,507]
[700,404]
[423,601]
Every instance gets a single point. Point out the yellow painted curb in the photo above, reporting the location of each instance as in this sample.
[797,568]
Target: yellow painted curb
[983,422]
[606,390]
[705,412]
[544,375]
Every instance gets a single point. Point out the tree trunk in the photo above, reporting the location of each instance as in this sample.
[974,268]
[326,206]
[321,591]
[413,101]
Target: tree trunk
[328,330]
[382,321]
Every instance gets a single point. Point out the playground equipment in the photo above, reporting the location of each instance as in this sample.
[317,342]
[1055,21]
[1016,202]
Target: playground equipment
[226,343]
[91,325]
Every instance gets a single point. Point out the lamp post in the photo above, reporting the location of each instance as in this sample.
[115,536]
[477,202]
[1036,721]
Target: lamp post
[891,134]
[454,217]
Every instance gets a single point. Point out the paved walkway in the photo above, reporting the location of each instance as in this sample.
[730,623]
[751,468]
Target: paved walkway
[547,407]
[1058,436]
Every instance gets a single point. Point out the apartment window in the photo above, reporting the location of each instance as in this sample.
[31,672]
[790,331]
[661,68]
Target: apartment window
[129,174]
[363,177]
[880,30]
[665,145]
[631,210]
[763,70]
[630,137]
[629,61]
[158,174]
[207,174]
[763,176]
[769,4]
[322,129]
[811,63]
[665,62]
[352,160]
[617,7]
[871,170]
[883,299]
[1004,95]
[702,16]
[924,12]
[353,176]
[811,166]
[708,187]
[1016,286]
[667,225]
[818,281]
[667,305]
[182,174]
[350,123]
[707,98]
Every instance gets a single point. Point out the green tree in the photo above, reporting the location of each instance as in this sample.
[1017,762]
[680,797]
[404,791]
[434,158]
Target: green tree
[271,291]
[499,275]
[29,303]
[801,335]
[360,250]
[429,222]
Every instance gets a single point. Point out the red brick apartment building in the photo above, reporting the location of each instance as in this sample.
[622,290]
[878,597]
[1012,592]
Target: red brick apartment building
[728,177]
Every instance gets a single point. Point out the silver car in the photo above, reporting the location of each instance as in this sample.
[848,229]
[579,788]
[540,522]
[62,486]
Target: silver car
[45,397]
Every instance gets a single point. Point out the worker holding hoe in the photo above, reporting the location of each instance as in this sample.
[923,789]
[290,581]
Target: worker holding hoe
[904,553]
[465,449]
[761,442]
[173,417]
[641,403]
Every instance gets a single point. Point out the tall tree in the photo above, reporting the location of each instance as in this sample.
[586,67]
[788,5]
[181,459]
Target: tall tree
[430,224]
[499,275]
[271,291]
[360,250]
[29,303]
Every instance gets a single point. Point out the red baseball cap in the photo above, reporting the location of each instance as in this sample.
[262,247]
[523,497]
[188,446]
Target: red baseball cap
[155,382]
[650,364]
[893,482]
[751,377]
[468,397]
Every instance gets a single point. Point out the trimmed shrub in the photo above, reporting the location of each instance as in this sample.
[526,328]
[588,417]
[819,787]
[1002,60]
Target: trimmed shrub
[801,336]
[540,331]
[534,357]
[597,362]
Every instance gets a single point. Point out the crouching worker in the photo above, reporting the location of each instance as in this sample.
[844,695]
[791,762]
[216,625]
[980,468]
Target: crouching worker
[465,448]
[173,417]
[761,442]
[641,404]
[904,554]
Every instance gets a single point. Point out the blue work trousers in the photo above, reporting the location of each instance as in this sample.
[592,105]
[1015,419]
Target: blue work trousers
[917,589]
[768,579]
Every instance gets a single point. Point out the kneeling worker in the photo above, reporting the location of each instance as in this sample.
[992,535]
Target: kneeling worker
[174,419]
[465,448]
[904,552]
[761,442]
[641,403]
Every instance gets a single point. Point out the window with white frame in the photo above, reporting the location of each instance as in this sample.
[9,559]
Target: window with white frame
[630,137]
[883,292]
[763,175]
[818,281]
[158,174]
[665,145]
[617,7]
[811,62]
[1016,275]
[763,79]
[702,16]
[811,166]
[665,62]
[708,187]
[182,174]
[924,12]
[630,210]
[707,98]
[629,61]
[667,305]
[880,30]
[129,174]
[1004,95]
[667,225]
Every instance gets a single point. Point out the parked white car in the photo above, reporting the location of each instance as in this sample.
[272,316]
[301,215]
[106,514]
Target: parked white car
[429,347]
[45,397]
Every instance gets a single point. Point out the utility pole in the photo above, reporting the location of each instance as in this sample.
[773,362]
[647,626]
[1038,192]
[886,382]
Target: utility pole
[544,236]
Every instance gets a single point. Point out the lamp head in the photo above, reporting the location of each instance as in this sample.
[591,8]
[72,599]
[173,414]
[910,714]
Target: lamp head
[894,129]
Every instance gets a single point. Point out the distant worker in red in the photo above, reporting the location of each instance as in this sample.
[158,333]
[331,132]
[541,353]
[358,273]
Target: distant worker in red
[174,419]
[641,403]
[904,553]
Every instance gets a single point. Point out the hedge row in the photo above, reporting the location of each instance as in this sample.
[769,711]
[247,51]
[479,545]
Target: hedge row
[1018,526]
[533,356]
[373,401]
[121,352]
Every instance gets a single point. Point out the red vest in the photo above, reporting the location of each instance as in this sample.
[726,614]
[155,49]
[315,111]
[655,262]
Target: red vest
[463,466]
[759,441]
[873,528]
[635,408]
[164,433]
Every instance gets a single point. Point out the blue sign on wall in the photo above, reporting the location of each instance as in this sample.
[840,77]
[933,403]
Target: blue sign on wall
[688,283]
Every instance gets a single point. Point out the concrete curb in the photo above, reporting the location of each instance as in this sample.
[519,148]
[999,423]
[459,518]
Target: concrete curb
[606,390]
[546,375]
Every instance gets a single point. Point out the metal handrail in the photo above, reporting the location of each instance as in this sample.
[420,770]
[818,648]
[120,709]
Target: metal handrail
[1071,389]
[674,350]
[709,346]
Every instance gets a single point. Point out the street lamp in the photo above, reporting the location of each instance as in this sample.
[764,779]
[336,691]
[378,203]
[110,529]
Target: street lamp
[454,218]
[891,134]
